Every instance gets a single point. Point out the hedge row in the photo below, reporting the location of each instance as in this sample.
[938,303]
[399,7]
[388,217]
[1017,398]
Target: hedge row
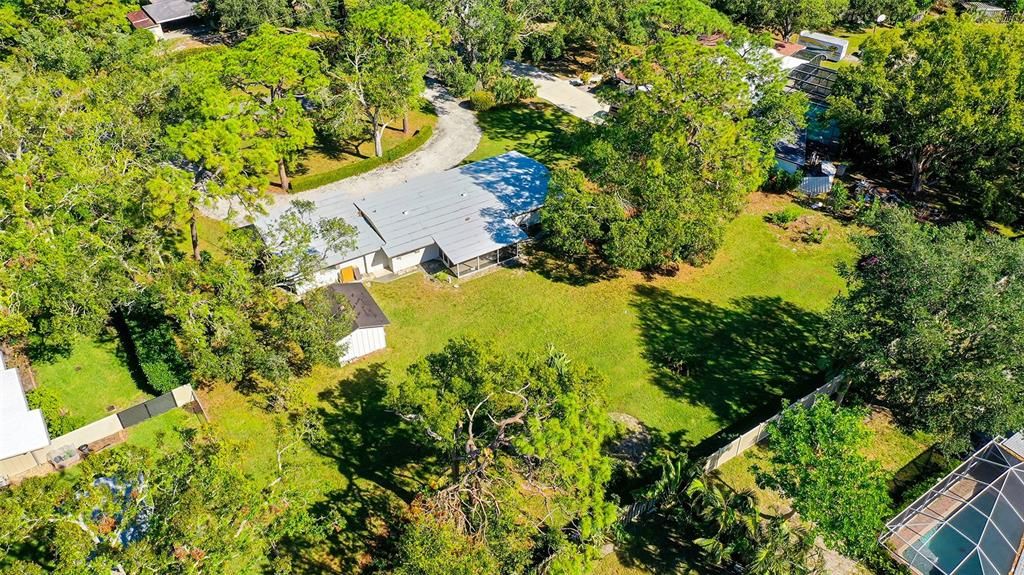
[304,183]
[157,352]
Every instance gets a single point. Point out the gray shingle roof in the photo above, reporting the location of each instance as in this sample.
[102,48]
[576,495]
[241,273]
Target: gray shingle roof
[169,10]
[365,311]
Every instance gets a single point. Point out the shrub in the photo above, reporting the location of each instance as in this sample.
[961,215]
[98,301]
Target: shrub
[814,235]
[57,422]
[510,90]
[482,100]
[783,217]
[156,351]
[838,197]
[455,77]
[780,181]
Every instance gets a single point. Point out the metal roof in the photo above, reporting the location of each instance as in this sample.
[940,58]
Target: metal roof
[365,311]
[971,522]
[467,211]
[21,430]
[169,10]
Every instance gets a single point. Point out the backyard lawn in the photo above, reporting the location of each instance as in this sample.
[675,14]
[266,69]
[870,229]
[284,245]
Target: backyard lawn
[690,354]
[93,382]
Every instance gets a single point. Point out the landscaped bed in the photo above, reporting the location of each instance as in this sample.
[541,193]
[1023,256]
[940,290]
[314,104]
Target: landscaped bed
[320,166]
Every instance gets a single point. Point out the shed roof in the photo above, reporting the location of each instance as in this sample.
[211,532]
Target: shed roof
[467,211]
[169,10]
[365,311]
[21,429]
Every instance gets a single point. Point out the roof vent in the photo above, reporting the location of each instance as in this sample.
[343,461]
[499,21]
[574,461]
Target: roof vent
[405,212]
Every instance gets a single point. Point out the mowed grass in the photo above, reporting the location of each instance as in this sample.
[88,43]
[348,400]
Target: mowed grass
[319,159]
[93,381]
[689,354]
[536,128]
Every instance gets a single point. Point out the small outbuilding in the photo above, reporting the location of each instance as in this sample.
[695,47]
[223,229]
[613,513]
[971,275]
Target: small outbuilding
[831,47]
[162,13]
[367,318]
[983,11]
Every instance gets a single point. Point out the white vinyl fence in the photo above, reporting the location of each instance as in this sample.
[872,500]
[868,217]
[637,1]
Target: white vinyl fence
[760,431]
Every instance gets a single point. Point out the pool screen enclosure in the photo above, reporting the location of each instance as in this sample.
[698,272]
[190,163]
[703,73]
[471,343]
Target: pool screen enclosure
[971,522]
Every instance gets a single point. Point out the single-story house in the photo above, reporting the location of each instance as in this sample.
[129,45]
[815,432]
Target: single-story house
[21,429]
[368,322]
[468,218]
[162,13]
[971,522]
[831,47]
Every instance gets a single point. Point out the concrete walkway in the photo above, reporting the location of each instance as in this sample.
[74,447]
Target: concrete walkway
[575,100]
[455,136]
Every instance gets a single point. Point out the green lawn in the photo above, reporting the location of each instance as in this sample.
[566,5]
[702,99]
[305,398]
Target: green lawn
[691,354]
[93,382]
[536,128]
[319,159]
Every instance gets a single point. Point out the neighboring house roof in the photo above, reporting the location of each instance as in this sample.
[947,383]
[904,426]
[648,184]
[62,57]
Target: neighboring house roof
[814,80]
[139,19]
[825,38]
[982,7]
[971,522]
[466,211]
[21,430]
[164,11]
[365,311]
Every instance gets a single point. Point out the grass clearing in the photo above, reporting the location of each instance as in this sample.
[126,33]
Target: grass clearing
[690,354]
[536,128]
[93,381]
[320,160]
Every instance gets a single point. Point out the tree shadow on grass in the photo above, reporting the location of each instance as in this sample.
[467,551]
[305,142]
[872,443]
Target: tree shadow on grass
[658,544]
[580,271]
[741,361]
[539,130]
[380,458]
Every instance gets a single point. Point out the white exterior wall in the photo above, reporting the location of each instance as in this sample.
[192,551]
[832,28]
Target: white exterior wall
[361,342]
[404,262]
[369,265]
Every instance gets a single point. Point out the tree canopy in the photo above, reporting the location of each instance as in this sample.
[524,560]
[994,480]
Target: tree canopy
[933,324]
[519,433]
[816,460]
[941,102]
[681,154]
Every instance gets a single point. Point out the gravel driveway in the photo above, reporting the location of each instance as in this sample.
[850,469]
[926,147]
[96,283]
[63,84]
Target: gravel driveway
[560,92]
[455,136]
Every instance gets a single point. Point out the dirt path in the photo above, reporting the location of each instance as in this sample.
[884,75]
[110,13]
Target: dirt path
[456,135]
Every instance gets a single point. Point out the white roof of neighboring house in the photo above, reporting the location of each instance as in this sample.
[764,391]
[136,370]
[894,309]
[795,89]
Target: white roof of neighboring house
[824,38]
[21,430]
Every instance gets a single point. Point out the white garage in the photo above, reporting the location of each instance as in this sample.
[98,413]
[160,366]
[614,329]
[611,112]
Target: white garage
[368,322]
